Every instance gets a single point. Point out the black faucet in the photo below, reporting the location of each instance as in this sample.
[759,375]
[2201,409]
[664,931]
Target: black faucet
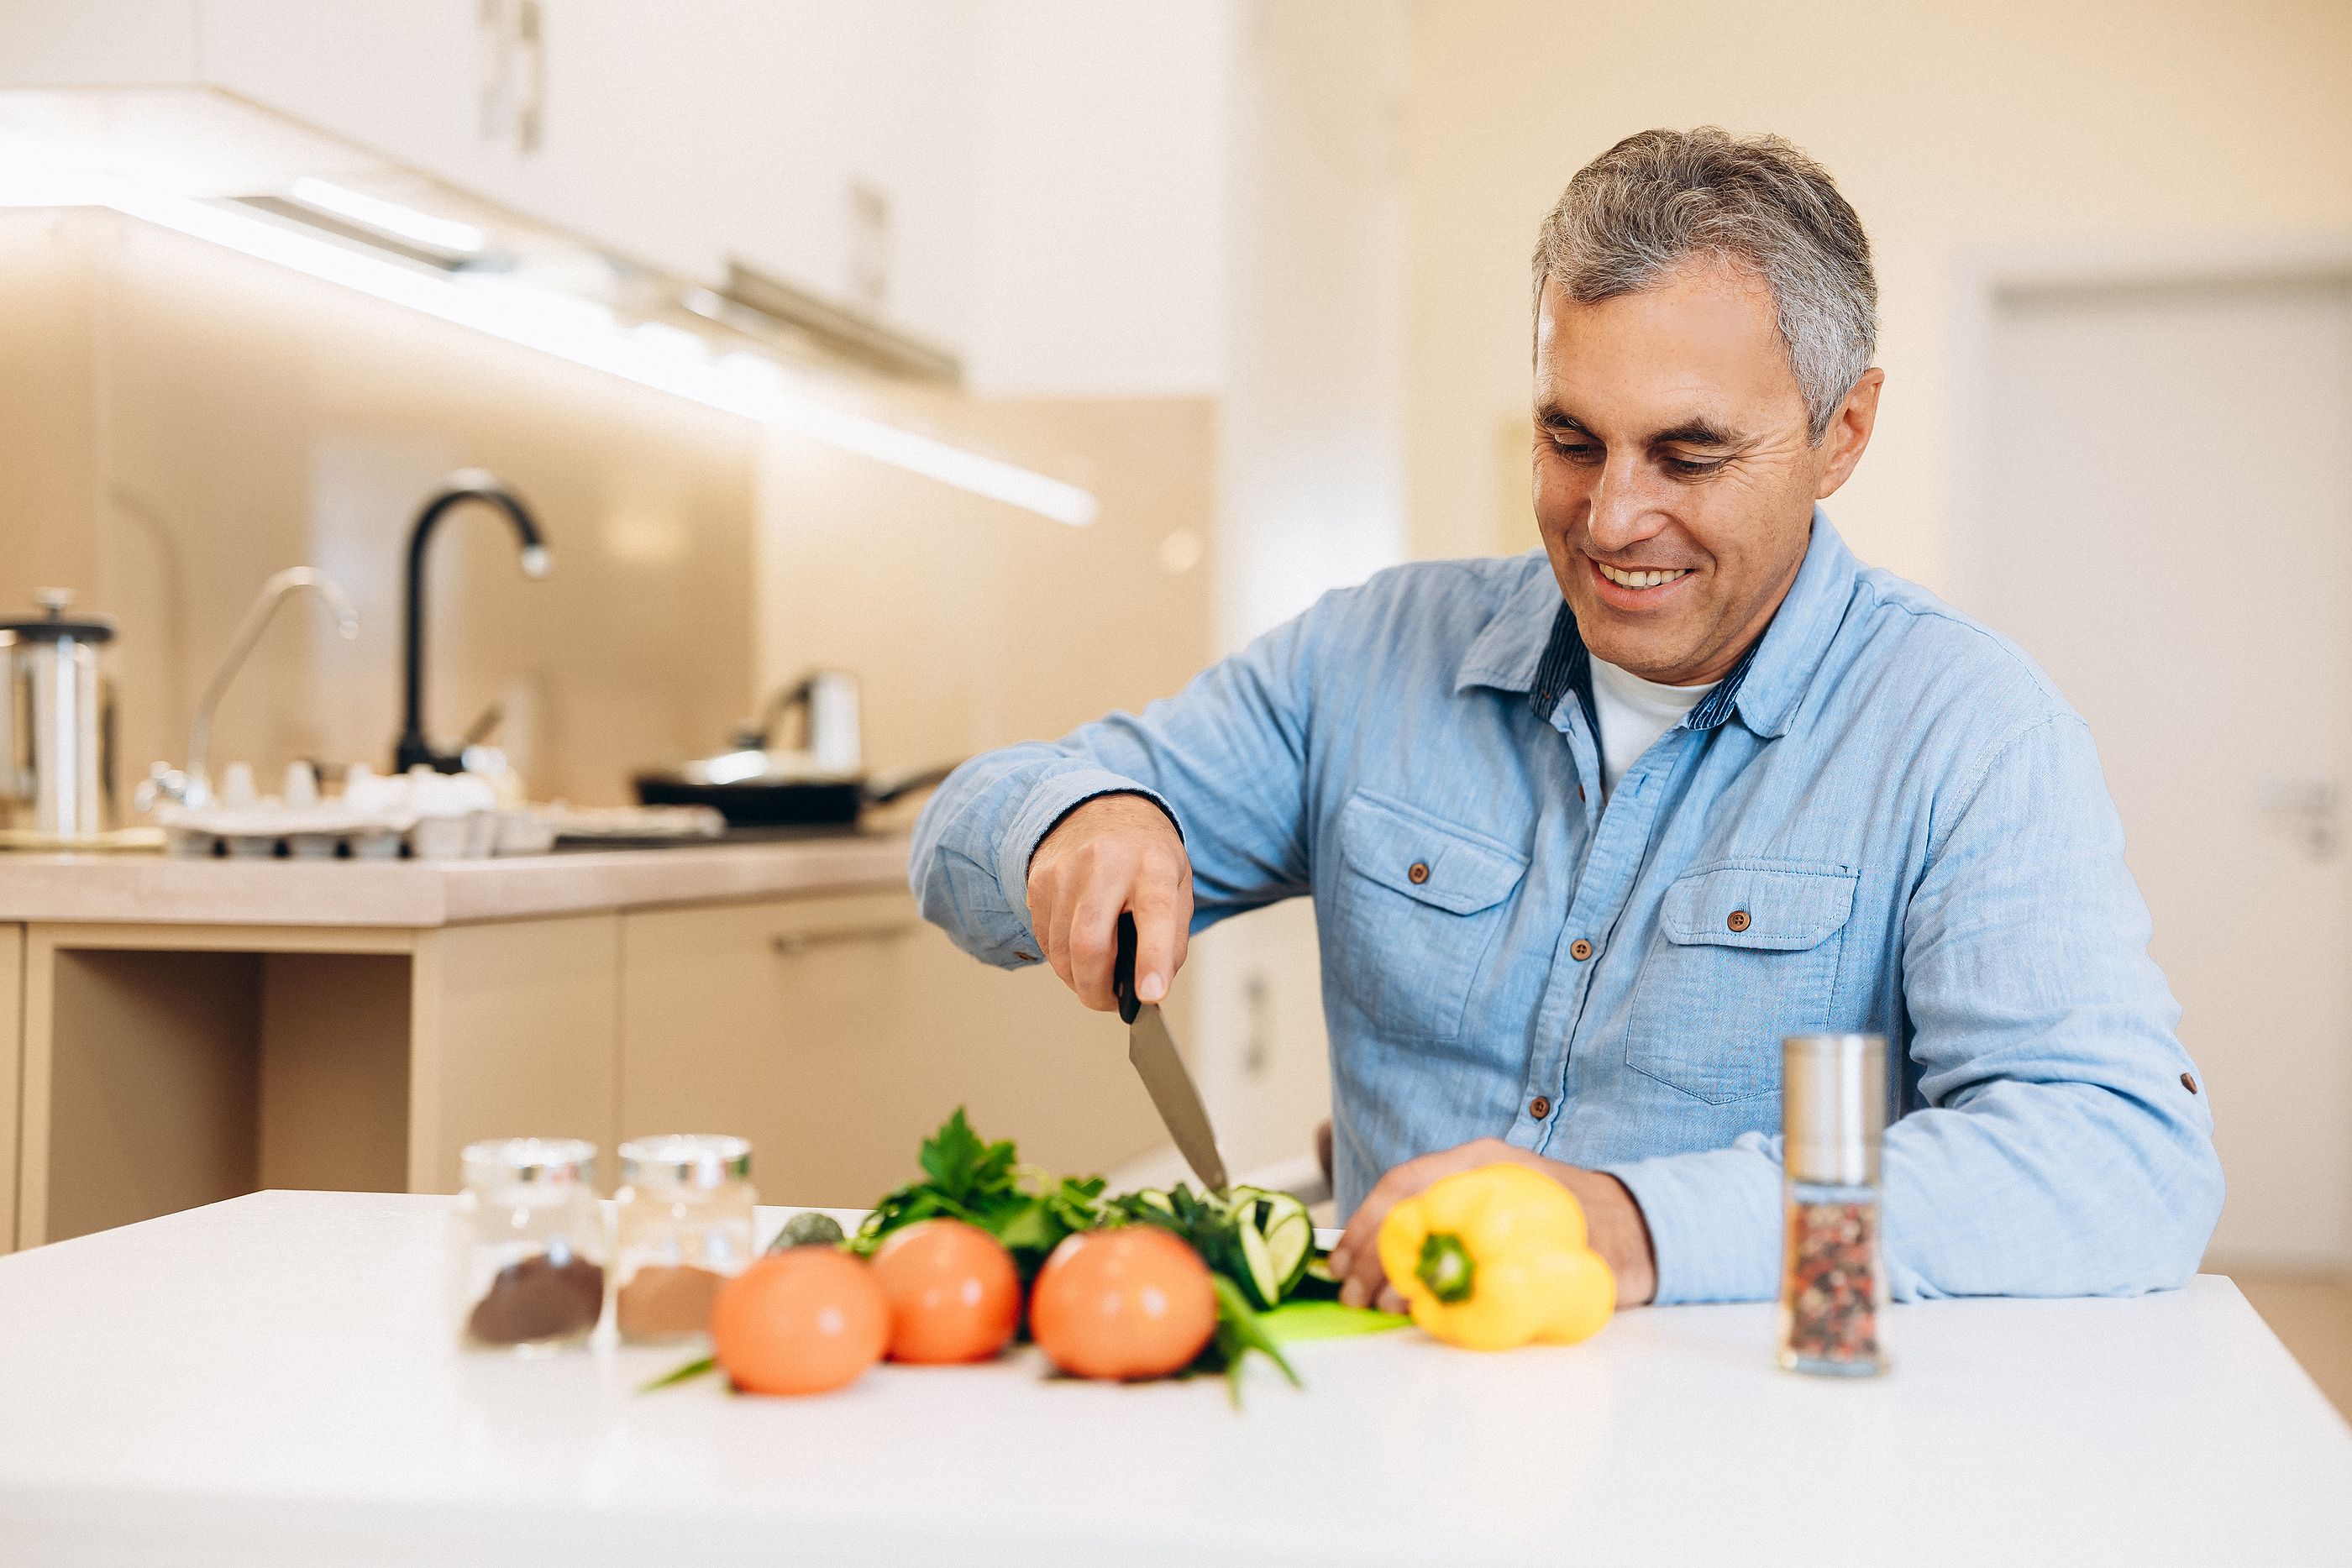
[466,485]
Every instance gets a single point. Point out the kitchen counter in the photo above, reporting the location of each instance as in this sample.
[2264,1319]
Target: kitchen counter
[272,1380]
[352,1025]
[419,894]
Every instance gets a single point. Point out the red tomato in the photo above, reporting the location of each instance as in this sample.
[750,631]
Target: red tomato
[1130,1303]
[803,1321]
[954,1292]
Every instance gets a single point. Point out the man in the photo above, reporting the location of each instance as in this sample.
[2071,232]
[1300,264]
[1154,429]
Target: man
[1589,830]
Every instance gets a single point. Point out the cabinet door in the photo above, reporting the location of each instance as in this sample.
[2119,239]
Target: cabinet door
[12,1057]
[836,1032]
[406,78]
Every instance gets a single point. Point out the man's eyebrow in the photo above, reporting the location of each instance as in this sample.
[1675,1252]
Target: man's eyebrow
[1694,433]
[1697,432]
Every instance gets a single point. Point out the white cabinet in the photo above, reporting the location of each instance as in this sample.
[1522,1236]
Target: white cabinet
[830,143]
[96,43]
[406,78]
[1037,185]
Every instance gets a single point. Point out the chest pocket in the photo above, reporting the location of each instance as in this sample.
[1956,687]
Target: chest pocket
[1419,904]
[1747,954]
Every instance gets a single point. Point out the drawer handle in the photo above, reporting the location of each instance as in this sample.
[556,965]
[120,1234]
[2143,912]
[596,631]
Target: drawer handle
[791,944]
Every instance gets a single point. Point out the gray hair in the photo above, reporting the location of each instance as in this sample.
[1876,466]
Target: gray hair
[1661,199]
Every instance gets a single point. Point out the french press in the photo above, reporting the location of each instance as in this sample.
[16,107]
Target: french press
[56,765]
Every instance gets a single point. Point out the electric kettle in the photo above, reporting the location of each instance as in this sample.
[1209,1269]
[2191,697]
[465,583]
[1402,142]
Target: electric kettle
[57,761]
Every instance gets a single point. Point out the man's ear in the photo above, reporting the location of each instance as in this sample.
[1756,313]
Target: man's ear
[1849,434]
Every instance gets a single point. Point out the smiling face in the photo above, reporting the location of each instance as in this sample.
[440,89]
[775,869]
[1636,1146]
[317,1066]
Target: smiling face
[1675,481]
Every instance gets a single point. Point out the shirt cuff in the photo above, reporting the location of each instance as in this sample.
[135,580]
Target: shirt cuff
[1052,799]
[1714,1220]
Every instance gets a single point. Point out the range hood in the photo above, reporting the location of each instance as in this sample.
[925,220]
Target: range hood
[205,163]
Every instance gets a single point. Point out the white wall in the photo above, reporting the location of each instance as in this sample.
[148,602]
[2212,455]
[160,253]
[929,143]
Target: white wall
[1952,129]
[1103,225]
[1311,484]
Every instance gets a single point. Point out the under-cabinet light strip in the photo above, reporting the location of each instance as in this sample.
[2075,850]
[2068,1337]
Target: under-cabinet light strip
[664,358]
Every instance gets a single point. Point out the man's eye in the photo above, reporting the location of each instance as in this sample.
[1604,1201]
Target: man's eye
[1577,451]
[1688,468]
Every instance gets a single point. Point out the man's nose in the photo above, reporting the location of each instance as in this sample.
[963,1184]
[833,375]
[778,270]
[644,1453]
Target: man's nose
[1622,510]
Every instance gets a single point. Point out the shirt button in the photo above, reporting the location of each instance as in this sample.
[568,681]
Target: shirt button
[1538,1107]
[2189,1083]
[1736,920]
[1579,949]
[1417,873]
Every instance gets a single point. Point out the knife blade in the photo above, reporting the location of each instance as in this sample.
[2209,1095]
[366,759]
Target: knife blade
[1153,1052]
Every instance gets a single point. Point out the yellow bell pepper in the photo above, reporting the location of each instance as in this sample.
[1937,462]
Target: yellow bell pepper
[1497,1257]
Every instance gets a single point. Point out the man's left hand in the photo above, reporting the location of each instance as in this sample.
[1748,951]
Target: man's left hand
[1613,1220]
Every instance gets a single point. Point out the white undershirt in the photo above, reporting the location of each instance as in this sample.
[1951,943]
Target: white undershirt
[1633,714]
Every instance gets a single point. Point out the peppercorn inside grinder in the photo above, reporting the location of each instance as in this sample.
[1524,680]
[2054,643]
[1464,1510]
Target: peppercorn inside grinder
[1832,1277]
[528,1245]
[682,1223]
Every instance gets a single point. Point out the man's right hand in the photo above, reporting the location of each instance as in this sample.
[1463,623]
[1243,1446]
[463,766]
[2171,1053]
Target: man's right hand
[1115,853]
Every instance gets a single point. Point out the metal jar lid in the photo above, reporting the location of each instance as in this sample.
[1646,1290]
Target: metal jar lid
[1833,1106]
[53,625]
[497,1161]
[687,1159]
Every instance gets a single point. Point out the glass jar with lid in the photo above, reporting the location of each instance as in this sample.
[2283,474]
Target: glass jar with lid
[528,1244]
[682,1228]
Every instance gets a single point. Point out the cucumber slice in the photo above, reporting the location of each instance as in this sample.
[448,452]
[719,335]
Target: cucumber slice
[1159,1200]
[1264,1281]
[1280,1207]
[1287,1245]
[1319,1267]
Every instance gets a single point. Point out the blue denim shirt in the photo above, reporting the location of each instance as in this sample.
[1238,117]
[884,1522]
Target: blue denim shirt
[1909,818]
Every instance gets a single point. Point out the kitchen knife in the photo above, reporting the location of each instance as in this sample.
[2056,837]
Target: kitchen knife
[1153,1052]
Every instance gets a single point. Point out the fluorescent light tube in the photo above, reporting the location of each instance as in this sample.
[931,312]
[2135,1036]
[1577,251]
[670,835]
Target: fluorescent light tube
[388,217]
[585,333]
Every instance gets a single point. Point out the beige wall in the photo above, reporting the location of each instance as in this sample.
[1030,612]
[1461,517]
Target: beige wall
[177,422]
[974,624]
[1954,130]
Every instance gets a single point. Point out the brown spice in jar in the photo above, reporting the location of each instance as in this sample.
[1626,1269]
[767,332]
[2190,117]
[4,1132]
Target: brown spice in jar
[541,1297]
[1832,1290]
[662,1301]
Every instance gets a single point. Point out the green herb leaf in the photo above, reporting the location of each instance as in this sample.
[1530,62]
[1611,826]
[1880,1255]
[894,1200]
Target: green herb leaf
[691,1370]
[1240,1331]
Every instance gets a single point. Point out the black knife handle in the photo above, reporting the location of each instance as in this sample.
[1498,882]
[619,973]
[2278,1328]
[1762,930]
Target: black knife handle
[1122,969]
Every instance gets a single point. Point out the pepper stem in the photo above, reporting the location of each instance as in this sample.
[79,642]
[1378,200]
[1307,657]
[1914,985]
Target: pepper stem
[1445,1267]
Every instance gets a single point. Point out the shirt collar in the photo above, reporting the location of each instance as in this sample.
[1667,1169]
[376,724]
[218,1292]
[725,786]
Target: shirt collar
[1532,644]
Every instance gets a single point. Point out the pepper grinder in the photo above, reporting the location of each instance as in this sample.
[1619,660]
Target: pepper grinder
[1833,1275]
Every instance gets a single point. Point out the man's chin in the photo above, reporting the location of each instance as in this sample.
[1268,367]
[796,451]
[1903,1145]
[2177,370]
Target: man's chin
[1635,644]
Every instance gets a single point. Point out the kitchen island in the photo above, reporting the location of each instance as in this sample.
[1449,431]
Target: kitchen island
[274,1380]
[174,1033]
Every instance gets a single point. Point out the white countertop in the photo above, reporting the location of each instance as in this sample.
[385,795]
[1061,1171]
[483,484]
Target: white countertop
[410,893]
[272,1380]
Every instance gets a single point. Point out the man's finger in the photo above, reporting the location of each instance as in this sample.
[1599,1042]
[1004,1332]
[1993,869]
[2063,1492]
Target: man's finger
[1158,936]
[1094,947]
[1356,1260]
[1054,938]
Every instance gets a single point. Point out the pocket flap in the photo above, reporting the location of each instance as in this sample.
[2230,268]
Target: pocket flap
[1432,862]
[1779,906]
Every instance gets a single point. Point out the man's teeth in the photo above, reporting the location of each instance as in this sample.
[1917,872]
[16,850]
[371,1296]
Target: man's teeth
[1640,579]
